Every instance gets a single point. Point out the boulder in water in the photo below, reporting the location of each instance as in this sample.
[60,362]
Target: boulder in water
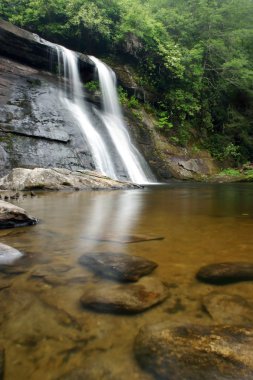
[225,273]
[132,298]
[8,254]
[196,352]
[14,216]
[120,266]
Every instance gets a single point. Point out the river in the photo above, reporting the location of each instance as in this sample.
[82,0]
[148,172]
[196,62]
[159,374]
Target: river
[181,226]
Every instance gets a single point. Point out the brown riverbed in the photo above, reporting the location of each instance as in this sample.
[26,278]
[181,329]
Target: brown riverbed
[44,329]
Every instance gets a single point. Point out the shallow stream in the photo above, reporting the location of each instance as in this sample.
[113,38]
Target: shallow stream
[44,329]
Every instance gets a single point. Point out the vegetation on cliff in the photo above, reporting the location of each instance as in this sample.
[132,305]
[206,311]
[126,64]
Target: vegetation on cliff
[195,56]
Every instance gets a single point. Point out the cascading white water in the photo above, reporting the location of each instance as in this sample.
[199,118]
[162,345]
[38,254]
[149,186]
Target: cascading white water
[115,134]
[73,98]
[135,165]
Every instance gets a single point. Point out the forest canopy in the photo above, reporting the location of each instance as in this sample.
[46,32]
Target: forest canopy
[196,56]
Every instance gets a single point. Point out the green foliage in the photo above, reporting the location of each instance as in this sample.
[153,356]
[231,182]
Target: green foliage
[92,86]
[133,102]
[163,121]
[244,174]
[231,172]
[249,174]
[130,102]
[123,97]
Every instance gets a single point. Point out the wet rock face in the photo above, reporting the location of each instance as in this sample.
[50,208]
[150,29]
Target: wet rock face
[225,273]
[14,216]
[132,298]
[229,309]
[59,179]
[119,266]
[36,130]
[196,352]
[36,127]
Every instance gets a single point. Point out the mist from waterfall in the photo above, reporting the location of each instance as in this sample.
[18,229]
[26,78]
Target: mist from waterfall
[135,165]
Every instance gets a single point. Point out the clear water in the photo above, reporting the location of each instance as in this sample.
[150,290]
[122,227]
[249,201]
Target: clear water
[44,329]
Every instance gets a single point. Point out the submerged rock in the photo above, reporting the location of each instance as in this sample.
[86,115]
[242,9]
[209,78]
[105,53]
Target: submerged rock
[225,273]
[14,216]
[118,265]
[75,374]
[124,239]
[103,371]
[229,309]
[26,319]
[8,254]
[196,352]
[60,179]
[132,298]
[1,363]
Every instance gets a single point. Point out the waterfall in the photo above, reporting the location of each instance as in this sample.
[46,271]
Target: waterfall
[135,165]
[73,99]
[110,145]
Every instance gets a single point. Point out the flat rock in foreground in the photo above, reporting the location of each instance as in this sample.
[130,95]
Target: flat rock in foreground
[14,216]
[60,179]
[196,352]
[119,266]
[132,298]
[225,273]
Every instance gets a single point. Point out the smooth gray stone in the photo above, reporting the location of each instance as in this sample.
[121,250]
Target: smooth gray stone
[120,266]
[127,298]
[225,273]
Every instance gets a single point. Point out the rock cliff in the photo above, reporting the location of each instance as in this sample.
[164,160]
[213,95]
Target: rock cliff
[37,131]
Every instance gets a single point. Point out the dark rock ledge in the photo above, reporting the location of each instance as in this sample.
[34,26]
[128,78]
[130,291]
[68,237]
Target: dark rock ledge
[30,49]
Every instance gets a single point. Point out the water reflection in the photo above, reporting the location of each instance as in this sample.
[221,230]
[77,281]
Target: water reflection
[110,217]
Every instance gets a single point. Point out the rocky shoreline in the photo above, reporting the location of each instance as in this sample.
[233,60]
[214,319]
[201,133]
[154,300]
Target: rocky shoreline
[60,179]
[25,182]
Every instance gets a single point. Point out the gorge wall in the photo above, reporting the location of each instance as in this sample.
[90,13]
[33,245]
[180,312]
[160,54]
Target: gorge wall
[37,131]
